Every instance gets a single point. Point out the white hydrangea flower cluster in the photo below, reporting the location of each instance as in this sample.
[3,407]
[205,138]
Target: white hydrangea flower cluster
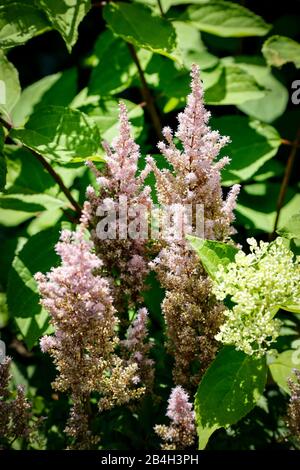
[257,283]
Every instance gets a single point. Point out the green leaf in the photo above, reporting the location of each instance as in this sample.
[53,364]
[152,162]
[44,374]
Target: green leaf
[169,79]
[138,25]
[10,218]
[58,89]
[114,70]
[279,50]
[60,134]
[253,143]
[9,85]
[26,175]
[269,107]
[65,16]
[2,172]
[234,86]
[212,253]
[2,161]
[20,20]
[30,202]
[223,84]
[22,294]
[256,208]
[229,389]
[106,116]
[291,229]
[4,317]
[282,367]
[191,48]
[225,19]
[273,168]
[294,308]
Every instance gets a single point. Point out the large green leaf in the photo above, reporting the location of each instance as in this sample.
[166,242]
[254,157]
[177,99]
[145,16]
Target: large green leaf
[65,16]
[115,68]
[58,89]
[229,389]
[233,86]
[20,20]
[60,134]
[9,85]
[256,208]
[22,294]
[282,366]
[269,107]
[137,24]
[225,19]
[106,116]
[212,253]
[278,50]
[252,144]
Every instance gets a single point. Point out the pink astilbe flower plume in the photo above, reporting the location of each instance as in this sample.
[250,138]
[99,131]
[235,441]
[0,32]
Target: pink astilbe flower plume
[138,346]
[191,312]
[181,432]
[84,341]
[123,258]
[196,177]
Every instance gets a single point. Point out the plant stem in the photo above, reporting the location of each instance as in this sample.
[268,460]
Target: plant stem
[160,8]
[56,177]
[288,142]
[50,170]
[285,181]
[146,93]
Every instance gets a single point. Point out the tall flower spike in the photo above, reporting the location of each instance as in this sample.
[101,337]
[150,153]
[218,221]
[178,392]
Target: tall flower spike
[196,176]
[181,432]
[121,189]
[84,342]
[192,315]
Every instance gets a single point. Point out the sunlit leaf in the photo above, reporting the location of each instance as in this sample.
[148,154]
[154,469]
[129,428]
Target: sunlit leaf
[229,389]
[138,25]
[278,50]
[225,19]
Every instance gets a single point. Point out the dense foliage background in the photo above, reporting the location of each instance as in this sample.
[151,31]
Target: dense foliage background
[61,101]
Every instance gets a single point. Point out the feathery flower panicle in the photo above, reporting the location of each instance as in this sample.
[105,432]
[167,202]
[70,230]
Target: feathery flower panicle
[293,415]
[83,345]
[192,315]
[181,432]
[196,178]
[138,346]
[15,413]
[123,256]
[258,283]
